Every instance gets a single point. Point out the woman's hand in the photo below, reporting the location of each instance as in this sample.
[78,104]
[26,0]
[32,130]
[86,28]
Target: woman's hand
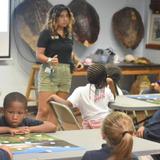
[54,60]
[79,66]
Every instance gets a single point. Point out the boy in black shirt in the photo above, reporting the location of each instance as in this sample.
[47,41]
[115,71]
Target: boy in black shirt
[14,120]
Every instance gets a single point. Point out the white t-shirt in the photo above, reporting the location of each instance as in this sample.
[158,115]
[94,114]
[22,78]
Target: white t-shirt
[119,91]
[92,105]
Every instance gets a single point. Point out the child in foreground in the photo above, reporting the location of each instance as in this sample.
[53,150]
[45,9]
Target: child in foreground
[151,130]
[93,98]
[14,119]
[117,130]
[5,153]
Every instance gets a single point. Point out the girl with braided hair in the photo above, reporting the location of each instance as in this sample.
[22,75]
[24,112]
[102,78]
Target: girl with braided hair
[93,98]
[114,72]
[117,130]
[55,52]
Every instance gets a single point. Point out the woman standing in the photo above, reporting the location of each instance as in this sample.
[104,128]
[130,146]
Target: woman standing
[54,51]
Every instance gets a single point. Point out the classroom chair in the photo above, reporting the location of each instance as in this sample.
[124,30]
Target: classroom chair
[64,115]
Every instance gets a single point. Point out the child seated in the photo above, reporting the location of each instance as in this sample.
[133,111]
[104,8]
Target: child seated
[151,130]
[114,72]
[117,130]
[92,99]
[5,153]
[14,120]
[154,88]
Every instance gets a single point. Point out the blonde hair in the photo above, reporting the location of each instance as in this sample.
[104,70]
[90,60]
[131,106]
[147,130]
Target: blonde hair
[53,14]
[118,128]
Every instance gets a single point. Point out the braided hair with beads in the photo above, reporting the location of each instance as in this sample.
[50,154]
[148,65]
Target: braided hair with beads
[96,75]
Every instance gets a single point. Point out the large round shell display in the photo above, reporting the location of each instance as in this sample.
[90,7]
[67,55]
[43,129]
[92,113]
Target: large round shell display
[87,25]
[128,27]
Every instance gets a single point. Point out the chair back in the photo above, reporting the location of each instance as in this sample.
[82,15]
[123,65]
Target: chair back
[64,115]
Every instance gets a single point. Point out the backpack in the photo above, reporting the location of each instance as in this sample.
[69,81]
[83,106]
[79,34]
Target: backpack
[103,56]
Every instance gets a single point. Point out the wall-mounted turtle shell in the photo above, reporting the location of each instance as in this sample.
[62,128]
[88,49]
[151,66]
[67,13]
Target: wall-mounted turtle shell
[29,18]
[87,25]
[128,27]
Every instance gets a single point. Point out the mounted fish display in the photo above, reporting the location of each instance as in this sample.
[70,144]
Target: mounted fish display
[87,24]
[128,27]
[29,18]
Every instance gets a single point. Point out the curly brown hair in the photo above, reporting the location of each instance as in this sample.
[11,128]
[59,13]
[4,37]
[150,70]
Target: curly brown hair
[53,14]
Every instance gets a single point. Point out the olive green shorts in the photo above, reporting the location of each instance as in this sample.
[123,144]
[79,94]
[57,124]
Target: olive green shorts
[57,80]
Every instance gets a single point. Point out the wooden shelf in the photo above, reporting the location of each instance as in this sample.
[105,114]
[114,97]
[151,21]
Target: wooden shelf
[153,46]
[127,69]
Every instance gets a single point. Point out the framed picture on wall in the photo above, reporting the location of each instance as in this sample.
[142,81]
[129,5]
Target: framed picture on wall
[154,32]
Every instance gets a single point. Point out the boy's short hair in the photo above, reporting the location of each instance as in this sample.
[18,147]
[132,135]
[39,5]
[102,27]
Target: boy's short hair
[96,73]
[14,96]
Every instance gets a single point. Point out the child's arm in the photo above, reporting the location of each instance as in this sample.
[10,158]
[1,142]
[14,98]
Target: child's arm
[58,99]
[14,131]
[140,132]
[45,127]
[111,86]
[4,130]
